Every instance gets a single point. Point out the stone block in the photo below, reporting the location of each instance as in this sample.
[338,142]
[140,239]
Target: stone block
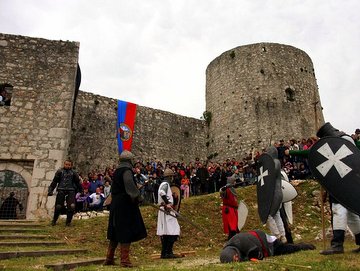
[39,173]
[56,154]
[58,132]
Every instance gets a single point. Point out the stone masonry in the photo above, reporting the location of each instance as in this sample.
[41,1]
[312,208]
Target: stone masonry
[157,134]
[255,94]
[258,94]
[36,127]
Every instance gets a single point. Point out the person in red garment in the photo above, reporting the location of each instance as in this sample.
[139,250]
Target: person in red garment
[229,208]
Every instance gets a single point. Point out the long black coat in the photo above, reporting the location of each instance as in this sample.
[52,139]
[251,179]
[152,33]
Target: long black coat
[125,221]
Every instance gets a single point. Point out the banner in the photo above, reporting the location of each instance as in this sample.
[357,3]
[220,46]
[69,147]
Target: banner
[125,125]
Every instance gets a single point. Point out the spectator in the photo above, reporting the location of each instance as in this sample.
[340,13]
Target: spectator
[94,183]
[96,200]
[8,207]
[185,186]
[107,187]
[85,184]
[81,200]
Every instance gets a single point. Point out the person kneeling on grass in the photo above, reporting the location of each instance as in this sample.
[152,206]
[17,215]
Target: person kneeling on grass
[256,244]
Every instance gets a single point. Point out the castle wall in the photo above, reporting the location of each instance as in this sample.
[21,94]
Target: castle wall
[256,94]
[157,134]
[260,93]
[35,129]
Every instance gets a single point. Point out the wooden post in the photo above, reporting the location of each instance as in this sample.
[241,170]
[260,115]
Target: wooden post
[321,188]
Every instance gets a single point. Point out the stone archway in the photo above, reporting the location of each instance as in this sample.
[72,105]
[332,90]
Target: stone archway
[15,178]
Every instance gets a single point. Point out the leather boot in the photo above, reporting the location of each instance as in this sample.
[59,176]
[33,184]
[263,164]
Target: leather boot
[56,216]
[357,241]
[163,247]
[124,255]
[170,253]
[110,253]
[337,243]
[69,217]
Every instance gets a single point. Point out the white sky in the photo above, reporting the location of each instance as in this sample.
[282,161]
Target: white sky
[155,52]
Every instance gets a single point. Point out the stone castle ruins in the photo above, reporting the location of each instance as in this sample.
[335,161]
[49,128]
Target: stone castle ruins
[255,94]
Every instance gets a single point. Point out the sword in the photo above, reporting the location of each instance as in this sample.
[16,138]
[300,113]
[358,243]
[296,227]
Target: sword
[177,215]
[231,185]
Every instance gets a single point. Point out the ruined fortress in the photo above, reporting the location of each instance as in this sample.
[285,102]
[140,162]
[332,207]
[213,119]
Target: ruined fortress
[255,94]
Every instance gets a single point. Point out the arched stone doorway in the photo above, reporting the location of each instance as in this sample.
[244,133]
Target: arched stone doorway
[12,182]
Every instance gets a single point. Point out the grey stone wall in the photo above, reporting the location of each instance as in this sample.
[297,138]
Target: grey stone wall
[256,94]
[260,93]
[157,134]
[36,127]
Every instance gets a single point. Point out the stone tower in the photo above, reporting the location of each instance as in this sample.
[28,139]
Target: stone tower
[257,94]
[35,128]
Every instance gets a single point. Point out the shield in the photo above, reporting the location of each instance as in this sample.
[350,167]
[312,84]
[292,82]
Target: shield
[243,211]
[288,191]
[268,188]
[288,211]
[108,200]
[176,193]
[334,161]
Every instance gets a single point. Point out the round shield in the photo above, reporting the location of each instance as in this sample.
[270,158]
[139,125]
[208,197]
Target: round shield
[335,163]
[289,192]
[176,193]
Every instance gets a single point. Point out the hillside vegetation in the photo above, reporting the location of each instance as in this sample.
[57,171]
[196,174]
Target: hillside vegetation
[207,238]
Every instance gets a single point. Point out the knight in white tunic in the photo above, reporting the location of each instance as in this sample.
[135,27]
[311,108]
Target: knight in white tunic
[168,227]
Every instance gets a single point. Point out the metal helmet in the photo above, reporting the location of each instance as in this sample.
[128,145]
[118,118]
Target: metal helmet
[328,130]
[168,172]
[228,253]
[126,156]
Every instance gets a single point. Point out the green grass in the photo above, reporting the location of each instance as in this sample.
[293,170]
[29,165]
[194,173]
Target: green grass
[205,212]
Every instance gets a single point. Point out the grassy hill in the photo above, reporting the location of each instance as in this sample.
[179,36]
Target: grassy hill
[207,241]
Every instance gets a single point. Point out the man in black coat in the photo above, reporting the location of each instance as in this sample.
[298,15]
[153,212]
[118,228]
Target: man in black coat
[256,244]
[125,221]
[67,183]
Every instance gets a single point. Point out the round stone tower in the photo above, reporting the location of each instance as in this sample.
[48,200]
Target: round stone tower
[258,94]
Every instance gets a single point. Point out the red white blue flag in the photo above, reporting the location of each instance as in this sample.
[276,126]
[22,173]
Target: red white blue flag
[125,125]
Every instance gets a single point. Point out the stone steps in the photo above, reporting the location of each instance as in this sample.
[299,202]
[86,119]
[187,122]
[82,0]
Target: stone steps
[17,230]
[32,243]
[24,236]
[19,220]
[39,253]
[18,233]
[74,264]
[24,225]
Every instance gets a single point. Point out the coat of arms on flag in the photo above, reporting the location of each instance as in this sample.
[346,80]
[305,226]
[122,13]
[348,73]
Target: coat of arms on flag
[125,124]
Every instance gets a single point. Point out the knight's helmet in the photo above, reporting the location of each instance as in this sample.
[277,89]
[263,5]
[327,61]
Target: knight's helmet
[168,174]
[126,156]
[272,151]
[228,253]
[328,130]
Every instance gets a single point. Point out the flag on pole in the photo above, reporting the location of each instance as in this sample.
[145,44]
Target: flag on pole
[125,125]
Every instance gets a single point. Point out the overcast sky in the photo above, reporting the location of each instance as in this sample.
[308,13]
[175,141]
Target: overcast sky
[155,52]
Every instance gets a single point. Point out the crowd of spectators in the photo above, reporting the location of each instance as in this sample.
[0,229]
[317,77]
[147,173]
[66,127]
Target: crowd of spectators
[194,178]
